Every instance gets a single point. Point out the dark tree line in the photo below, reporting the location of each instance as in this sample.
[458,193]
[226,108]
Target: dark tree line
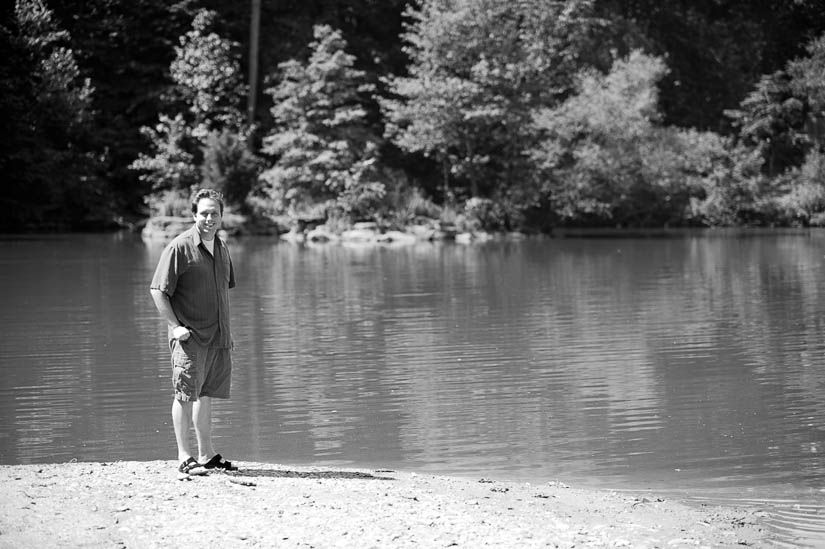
[80,79]
[716,49]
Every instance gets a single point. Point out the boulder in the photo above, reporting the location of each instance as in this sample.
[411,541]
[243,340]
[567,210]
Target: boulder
[396,237]
[165,227]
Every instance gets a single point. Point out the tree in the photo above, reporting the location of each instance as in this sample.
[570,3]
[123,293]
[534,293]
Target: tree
[49,172]
[716,51]
[784,116]
[207,95]
[172,167]
[477,70]
[770,119]
[324,155]
[807,76]
[207,74]
[229,166]
[606,159]
[805,200]
[126,49]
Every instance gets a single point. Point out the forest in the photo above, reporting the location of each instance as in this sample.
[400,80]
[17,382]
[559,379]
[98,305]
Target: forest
[498,115]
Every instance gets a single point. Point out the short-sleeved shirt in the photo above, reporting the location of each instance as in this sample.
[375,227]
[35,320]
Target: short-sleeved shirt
[197,284]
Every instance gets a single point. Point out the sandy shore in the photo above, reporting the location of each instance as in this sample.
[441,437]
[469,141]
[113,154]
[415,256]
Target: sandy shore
[142,504]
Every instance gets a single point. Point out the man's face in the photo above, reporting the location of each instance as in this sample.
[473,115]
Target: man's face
[208,218]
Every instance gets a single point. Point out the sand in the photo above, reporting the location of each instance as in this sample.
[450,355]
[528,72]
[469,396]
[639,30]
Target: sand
[142,504]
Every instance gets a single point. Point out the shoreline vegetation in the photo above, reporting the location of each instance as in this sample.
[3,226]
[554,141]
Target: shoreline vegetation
[495,116]
[164,228]
[142,504]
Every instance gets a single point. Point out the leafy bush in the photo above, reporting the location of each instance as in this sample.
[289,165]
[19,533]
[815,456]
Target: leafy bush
[606,160]
[485,214]
[169,202]
[734,192]
[804,202]
[229,166]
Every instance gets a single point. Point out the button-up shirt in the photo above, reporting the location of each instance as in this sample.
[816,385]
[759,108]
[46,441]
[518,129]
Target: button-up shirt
[197,284]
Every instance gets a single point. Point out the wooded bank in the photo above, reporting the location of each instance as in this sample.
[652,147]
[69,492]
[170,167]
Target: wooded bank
[485,114]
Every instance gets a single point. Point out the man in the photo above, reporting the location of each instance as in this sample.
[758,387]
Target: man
[190,288]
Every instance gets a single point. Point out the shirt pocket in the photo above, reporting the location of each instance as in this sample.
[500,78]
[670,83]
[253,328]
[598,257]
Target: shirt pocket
[225,269]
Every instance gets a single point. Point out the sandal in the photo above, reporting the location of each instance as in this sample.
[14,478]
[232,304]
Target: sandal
[217,462]
[190,467]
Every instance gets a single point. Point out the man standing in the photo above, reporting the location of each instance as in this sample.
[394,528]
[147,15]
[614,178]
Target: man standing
[191,291]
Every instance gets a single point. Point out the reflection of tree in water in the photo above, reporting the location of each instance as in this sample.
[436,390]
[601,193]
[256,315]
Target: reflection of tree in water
[612,355]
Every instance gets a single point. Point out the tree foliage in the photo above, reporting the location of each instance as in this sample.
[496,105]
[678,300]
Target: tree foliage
[49,172]
[804,201]
[207,96]
[784,116]
[606,158]
[173,165]
[716,51]
[477,69]
[208,78]
[461,82]
[323,151]
[229,165]
[125,48]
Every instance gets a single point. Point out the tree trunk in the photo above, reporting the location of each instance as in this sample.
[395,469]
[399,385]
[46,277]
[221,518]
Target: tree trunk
[254,31]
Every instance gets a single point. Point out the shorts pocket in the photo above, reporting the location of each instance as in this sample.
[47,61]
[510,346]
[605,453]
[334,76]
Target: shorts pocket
[184,374]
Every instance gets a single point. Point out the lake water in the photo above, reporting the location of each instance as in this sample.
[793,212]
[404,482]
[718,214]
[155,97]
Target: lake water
[690,364]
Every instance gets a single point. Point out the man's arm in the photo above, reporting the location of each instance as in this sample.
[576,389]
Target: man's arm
[165,309]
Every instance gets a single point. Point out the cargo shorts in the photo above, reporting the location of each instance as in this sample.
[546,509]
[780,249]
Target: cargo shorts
[199,370]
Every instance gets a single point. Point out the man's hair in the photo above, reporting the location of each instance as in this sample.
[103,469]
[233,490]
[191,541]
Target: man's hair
[206,193]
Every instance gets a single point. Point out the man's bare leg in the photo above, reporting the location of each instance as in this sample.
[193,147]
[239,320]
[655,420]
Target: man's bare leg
[202,415]
[182,420]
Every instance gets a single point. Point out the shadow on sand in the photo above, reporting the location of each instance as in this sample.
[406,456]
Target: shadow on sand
[311,475]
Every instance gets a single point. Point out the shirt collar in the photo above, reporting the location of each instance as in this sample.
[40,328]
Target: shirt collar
[196,237]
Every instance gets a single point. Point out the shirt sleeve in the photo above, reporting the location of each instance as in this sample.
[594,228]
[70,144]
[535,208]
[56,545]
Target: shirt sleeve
[170,266]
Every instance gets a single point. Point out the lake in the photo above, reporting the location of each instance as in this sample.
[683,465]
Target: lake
[688,363]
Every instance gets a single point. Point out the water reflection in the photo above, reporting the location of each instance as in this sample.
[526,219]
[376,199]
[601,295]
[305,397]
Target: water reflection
[678,363]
